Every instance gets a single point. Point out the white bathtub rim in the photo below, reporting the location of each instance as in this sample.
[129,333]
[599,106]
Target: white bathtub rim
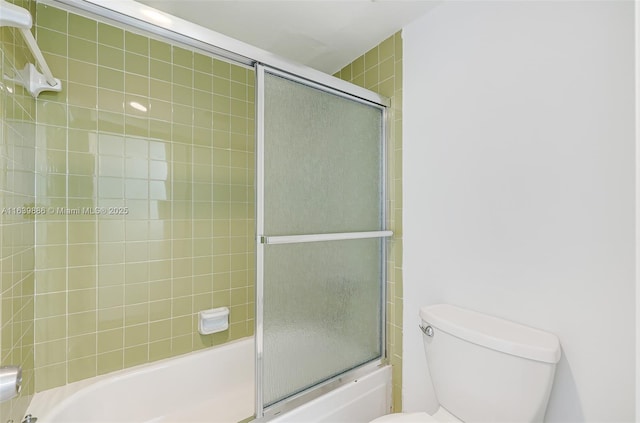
[361,391]
[50,402]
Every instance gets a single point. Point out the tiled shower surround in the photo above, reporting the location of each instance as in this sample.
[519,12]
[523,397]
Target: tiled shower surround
[17,252]
[145,165]
[380,70]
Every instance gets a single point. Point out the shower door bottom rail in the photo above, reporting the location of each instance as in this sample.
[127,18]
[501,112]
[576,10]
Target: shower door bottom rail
[298,239]
[273,410]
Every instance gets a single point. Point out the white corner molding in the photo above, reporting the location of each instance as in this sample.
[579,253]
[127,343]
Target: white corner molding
[29,77]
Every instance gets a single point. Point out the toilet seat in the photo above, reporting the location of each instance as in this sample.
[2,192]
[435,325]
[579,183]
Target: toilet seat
[405,418]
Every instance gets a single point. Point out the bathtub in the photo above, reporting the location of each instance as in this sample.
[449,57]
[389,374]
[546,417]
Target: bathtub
[213,385]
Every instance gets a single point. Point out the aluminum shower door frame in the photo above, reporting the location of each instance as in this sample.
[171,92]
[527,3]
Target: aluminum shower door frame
[266,413]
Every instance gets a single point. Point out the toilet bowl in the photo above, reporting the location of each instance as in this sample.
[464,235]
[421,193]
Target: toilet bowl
[477,361]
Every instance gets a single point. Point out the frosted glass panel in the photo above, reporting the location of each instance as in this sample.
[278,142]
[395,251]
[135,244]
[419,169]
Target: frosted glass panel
[321,312]
[322,161]
[322,301]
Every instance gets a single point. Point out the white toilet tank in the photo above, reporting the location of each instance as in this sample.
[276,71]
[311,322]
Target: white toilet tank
[486,369]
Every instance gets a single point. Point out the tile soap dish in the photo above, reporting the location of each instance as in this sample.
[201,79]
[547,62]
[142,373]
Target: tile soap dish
[213,320]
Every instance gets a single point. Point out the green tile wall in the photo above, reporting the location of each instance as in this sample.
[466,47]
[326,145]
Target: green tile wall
[380,70]
[166,136]
[17,173]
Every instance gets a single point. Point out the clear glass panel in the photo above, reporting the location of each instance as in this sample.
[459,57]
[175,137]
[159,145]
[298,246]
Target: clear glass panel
[322,304]
[322,161]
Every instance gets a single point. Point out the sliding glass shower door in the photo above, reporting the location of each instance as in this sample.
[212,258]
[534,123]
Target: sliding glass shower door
[321,236]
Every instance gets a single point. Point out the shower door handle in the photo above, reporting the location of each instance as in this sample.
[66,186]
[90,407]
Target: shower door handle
[298,239]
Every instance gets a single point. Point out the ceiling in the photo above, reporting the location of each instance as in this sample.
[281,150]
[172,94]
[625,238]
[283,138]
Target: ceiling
[322,34]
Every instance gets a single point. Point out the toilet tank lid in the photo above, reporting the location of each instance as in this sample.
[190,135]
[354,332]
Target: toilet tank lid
[492,332]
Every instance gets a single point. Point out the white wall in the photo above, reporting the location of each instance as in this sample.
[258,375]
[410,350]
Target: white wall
[637,27]
[519,186]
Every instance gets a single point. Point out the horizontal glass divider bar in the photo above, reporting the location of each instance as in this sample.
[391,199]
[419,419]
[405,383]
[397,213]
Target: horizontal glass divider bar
[298,239]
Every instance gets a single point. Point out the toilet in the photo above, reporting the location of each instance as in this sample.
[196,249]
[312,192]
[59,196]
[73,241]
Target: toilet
[484,369]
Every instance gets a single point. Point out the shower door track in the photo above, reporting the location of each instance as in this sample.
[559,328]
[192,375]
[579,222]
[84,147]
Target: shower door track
[272,411]
[148,20]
